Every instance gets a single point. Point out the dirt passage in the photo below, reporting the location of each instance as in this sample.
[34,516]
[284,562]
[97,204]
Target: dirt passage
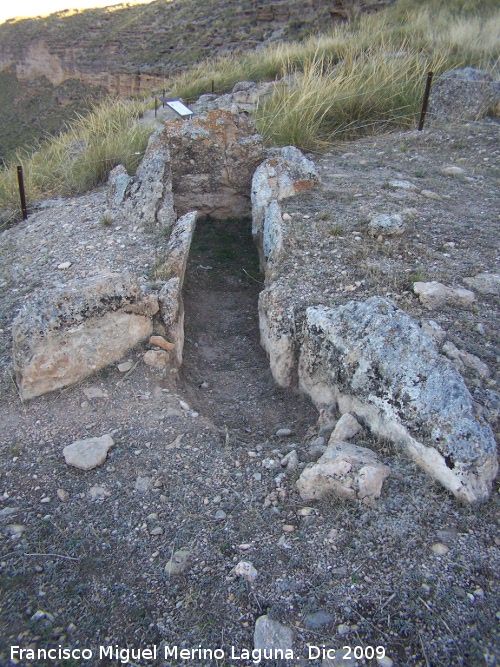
[225,371]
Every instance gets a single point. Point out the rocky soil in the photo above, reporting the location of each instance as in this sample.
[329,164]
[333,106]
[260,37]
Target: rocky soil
[144,550]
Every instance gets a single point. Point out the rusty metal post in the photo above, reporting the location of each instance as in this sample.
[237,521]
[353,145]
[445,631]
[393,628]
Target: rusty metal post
[425,101]
[156,105]
[213,86]
[22,193]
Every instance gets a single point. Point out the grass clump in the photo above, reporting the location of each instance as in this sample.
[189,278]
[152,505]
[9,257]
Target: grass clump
[81,157]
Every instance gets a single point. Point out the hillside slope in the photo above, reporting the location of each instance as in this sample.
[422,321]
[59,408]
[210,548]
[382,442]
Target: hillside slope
[126,50]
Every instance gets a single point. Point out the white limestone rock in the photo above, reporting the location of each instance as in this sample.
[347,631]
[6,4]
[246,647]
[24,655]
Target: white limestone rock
[344,470]
[373,360]
[63,335]
[89,453]
[434,295]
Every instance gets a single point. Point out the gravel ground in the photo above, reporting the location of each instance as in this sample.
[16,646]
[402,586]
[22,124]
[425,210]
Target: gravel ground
[196,464]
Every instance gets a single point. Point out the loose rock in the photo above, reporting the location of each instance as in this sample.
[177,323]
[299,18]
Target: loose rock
[89,453]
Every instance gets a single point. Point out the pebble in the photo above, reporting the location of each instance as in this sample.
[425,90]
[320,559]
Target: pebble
[179,562]
[15,530]
[284,432]
[125,366]
[220,515]
[246,570]
[343,629]
[288,528]
[64,265]
[440,549]
[98,493]
[270,634]
[142,484]
[385,661]
[157,531]
[318,619]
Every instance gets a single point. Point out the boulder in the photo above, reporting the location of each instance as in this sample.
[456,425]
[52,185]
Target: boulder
[214,156]
[463,94]
[434,295]
[374,361]
[485,283]
[62,336]
[344,470]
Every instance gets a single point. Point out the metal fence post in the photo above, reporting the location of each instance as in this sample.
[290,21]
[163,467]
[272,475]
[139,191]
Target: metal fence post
[22,193]
[425,101]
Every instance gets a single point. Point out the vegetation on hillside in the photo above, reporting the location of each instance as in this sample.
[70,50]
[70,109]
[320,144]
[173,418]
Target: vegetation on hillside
[364,76]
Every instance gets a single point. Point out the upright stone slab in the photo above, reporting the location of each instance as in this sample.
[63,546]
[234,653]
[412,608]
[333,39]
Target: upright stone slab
[374,361]
[170,295]
[465,94]
[62,336]
[214,156]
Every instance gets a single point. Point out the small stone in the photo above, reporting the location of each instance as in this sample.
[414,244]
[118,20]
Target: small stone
[429,194]
[179,562]
[125,366]
[270,634]
[156,358]
[317,620]
[284,432]
[485,283]
[98,493]
[159,341]
[15,530]
[157,531]
[440,549]
[479,593]
[288,528]
[402,185]
[343,629]
[389,225]
[385,661]
[246,570]
[269,464]
[220,515]
[89,453]
[452,171]
[63,495]
[286,216]
[64,265]
[290,461]
[94,392]
[142,484]
[185,406]
[346,428]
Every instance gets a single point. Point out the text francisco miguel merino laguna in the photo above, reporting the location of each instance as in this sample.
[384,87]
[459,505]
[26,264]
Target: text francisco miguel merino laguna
[165,652]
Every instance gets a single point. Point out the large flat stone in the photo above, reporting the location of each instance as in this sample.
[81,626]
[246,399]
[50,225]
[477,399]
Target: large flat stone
[62,336]
[374,361]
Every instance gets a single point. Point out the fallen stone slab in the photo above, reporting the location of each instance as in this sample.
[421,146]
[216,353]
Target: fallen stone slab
[345,470]
[485,283]
[434,295]
[374,361]
[62,336]
[89,453]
